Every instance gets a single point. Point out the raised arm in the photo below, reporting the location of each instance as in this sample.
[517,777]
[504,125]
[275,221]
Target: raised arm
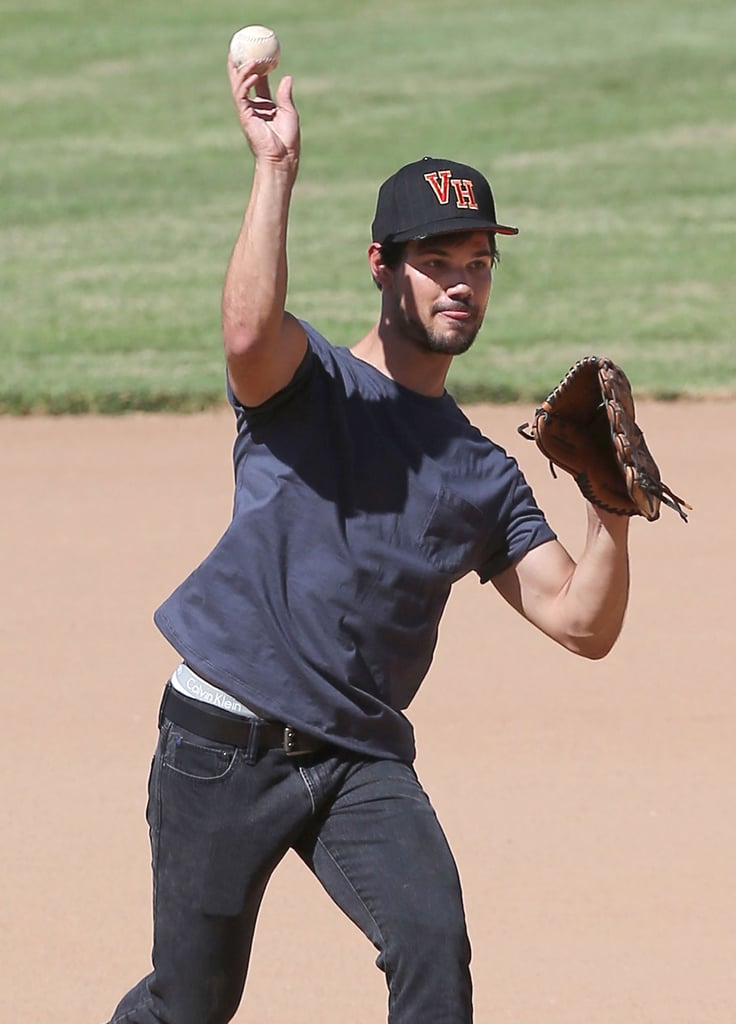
[582,605]
[263,343]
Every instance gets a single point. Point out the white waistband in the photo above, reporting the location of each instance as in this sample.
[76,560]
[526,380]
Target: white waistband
[192,685]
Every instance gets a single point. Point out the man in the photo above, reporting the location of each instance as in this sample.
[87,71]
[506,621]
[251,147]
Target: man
[362,493]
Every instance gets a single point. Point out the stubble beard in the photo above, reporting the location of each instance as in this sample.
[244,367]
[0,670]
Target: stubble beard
[430,338]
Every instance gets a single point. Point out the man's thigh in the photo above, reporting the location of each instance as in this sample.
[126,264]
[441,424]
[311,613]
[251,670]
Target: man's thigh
[380,852]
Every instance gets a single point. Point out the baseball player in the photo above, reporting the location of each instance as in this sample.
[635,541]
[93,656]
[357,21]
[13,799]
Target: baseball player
[362,493]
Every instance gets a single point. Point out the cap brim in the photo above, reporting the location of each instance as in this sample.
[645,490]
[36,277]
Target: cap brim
[450,226]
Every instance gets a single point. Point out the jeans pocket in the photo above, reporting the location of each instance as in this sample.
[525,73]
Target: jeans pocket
[197,758]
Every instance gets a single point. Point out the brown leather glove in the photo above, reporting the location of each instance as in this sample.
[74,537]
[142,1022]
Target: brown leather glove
[586,426]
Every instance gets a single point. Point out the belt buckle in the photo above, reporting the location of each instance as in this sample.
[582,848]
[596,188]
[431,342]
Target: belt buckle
[292,745]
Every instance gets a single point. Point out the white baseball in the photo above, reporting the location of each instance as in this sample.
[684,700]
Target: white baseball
[256,42]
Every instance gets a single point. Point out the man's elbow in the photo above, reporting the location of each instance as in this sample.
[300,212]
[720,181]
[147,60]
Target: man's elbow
[240,342]
[593,647]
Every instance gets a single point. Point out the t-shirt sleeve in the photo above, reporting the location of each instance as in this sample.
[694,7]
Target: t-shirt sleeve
[521,527]
[249,413]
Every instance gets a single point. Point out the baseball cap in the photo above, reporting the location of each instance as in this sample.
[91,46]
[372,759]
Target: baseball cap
[434,197]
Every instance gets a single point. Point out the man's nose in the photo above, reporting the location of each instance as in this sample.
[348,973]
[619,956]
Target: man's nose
[458,287]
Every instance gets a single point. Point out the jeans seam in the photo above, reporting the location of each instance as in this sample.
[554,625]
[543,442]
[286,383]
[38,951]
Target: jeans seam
[310,788]
[369,912]
[203,778]
[156,839]
[129,1013]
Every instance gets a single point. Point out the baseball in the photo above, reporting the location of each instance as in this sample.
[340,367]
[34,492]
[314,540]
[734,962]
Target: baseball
[256,42]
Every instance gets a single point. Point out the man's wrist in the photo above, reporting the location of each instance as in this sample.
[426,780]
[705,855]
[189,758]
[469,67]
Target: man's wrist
[282,172]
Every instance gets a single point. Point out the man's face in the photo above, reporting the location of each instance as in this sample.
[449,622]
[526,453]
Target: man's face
[441,290]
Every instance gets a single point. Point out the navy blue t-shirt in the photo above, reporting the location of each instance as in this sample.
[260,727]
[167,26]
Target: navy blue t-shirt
[358,503]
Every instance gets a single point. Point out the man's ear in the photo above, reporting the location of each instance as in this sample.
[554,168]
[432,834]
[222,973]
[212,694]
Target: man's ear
[380,272]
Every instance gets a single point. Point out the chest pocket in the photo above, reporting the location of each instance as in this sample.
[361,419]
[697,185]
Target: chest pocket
[453,533]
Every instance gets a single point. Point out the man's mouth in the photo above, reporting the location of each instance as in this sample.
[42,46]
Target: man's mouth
[458,314]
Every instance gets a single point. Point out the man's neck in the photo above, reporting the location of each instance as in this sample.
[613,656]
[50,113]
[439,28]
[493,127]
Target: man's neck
[401,361]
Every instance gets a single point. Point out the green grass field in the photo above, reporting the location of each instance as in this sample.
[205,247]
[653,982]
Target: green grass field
[608,132]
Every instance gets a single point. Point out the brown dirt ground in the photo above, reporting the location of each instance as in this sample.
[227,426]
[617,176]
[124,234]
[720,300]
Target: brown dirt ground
[590,806]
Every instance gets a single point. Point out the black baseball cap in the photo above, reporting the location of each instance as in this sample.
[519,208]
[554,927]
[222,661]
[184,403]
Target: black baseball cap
[434,197]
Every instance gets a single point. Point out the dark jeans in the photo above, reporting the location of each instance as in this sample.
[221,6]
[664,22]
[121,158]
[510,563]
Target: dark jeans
[220,822]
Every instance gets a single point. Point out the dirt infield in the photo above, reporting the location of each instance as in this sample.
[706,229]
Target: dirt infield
[590,805]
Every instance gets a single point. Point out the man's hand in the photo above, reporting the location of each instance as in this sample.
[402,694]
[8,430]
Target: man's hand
[270,127]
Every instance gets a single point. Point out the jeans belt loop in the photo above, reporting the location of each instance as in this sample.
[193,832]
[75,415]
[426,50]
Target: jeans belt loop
[162,705]
[251,750]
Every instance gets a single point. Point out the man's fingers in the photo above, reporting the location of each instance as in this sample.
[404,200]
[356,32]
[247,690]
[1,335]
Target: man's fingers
[244,78]
[263,89]
[283,93]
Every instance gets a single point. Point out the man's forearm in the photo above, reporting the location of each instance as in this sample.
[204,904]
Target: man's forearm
[254,292]
[596,595]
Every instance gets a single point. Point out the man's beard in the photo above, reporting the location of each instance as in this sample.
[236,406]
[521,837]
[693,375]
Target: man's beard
[432,339]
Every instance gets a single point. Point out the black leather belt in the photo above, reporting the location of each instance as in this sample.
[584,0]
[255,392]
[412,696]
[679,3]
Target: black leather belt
[234,730]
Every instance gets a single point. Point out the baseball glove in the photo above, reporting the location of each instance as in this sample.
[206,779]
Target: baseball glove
[586,426]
